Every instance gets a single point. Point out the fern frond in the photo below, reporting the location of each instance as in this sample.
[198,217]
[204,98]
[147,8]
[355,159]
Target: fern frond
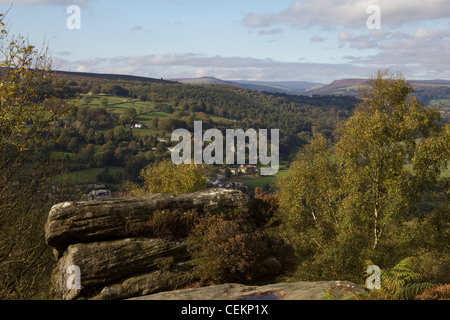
[410,291]
[402,282]
[404,265]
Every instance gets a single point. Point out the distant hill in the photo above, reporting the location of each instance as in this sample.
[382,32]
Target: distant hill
[205,81]
[288,87]
[352,86]
[111,77]
[434,93]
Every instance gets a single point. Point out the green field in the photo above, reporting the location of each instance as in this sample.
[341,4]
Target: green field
[262,181]
[118,104]
[84,176]
[446,172]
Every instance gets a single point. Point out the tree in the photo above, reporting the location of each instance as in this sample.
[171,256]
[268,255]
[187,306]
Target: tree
[344,203]
[375,145]
[90,135]
[86,155]
[73,145]
[178,114]
[100,159]
[29,106]
[310,195]
[104,102]
[133,146]
[109,135]
[154,123]
[167,177]
[116,90]
[120,153]
[87,99]
[96,89]
[128,116]
[120,133]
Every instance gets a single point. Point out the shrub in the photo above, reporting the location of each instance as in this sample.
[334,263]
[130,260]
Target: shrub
[167,177]
[436,292]
[224,250]
[166,224]
[265,206]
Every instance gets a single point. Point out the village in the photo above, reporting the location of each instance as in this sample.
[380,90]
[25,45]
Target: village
[227,178]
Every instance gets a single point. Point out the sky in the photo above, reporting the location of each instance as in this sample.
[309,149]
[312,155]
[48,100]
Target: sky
[284,40]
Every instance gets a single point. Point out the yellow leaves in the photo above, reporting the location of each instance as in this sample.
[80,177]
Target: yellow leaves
[166,177]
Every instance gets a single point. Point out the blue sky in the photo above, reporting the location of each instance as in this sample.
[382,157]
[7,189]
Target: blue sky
[308,40]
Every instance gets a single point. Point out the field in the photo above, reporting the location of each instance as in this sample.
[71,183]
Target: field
[263,181]
[85,176]
[446,172]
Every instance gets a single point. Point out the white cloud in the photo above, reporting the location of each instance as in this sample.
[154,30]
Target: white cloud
[363,41]
[81,69]
[192,65]
[424,48]
[270,32]
[351,13]
[409,56]
[345,36]
[58,2]
[316,38]
[422,33]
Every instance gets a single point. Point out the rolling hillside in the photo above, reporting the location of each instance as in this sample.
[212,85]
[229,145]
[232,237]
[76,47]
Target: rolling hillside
[434,93]
[287,87]
[105,76]
[352,86]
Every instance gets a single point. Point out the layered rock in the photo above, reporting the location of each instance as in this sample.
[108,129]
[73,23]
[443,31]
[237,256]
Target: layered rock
[97,259]
[303,290]
[102,263]
[96,220]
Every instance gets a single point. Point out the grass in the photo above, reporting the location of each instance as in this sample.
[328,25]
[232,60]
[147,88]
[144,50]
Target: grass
[115,102]
[85,176]
[446,172]
[261,181]
[146,132]
[217,119]
[160,114]
[62,155]
[146,111]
